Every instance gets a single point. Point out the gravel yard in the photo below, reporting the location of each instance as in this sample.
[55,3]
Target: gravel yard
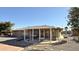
[69,46]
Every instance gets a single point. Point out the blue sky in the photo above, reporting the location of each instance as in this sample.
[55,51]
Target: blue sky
[23,17]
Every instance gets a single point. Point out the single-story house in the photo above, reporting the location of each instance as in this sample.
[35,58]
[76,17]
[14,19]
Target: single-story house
[39,33]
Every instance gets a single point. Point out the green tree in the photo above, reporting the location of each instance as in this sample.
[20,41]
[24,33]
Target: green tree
[5,27]
[73,21]
[73,17]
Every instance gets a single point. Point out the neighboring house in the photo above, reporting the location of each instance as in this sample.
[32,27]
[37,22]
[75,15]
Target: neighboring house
[39,33]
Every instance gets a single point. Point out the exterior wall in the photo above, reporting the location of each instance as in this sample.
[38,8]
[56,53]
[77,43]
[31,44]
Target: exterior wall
[55,34]
[61,35]
[18,33]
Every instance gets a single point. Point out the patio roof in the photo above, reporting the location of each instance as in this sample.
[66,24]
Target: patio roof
[38,27]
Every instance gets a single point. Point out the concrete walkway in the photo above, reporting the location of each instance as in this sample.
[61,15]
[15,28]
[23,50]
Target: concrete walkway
[4,47]
[9,44]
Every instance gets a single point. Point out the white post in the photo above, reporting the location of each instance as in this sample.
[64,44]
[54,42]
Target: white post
[59,34]
[32,35]
[50,35]
[24,35]
[44,34]
[39,34]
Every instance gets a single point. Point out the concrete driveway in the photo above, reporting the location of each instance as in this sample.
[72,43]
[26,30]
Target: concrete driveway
[4,47]
[10,44]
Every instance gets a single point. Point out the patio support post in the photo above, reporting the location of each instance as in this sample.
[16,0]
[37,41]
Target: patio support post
[32,35]
[44,34]
[59,34]
[24,35]
[39,34]
[50,35]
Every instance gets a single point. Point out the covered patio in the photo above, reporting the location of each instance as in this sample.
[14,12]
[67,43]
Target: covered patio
[38,33]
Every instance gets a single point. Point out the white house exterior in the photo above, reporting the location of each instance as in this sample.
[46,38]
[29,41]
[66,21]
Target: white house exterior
[39,33]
